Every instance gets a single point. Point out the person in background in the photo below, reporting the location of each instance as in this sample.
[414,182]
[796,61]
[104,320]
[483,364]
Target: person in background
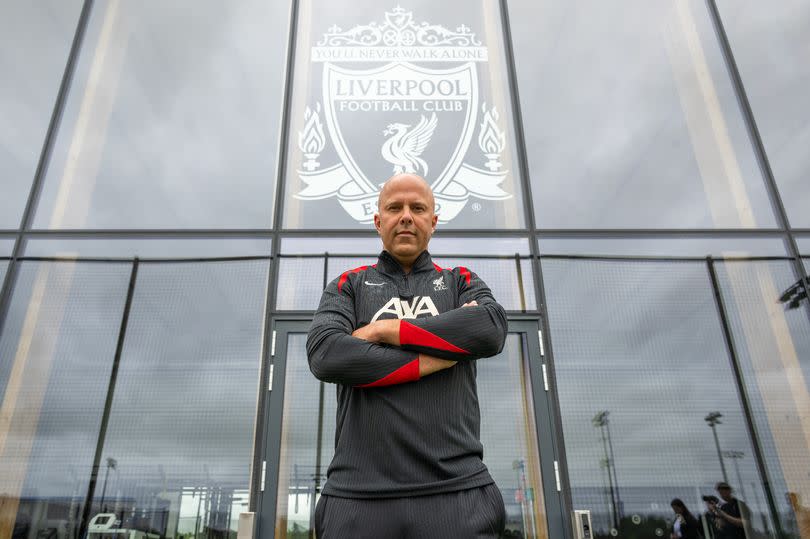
[686,526]
[732,515]
[708,518]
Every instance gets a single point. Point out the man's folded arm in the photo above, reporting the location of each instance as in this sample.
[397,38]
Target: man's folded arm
[472,332]
[337,357]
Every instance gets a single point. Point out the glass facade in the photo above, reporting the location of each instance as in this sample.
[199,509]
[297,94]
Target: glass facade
[180,180]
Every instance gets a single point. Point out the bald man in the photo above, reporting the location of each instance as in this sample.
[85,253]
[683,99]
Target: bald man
[401,339]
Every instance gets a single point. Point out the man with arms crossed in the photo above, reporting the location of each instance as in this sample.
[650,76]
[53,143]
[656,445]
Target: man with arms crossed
[400,339]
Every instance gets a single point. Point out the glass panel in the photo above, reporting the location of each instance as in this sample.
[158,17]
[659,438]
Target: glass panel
[56,355]
[3,268]
[628,105]
[6,246]
[172,119]
[507,432]
[35,39]
[512,285]
[423,90]
[648,399]
[662,246]
[178,452]
[439,245]
[803,242]
[769,321]
[307,442]
[318,245]
[509,435]
[149,247]
[300,283]
[769,43]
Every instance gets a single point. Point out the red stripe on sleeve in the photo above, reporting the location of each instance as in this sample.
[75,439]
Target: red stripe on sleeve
[414,335]
[407,373]
[465,273]
[346,275]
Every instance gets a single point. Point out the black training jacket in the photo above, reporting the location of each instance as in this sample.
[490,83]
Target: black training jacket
[396,434]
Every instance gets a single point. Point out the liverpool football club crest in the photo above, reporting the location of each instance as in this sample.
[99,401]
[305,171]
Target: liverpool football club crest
[398,96]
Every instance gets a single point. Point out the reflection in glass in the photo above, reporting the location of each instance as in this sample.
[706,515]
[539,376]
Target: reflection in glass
[511,282]
[641,368]
[35,39]
[439,245]
[509,435]
[628,105]
[172,118]
[6,246]
[666,246]
[507,431]
[769,43]
[307,443]
[772,340]
[150,247]
[177,456]
[56,355]
[420,88]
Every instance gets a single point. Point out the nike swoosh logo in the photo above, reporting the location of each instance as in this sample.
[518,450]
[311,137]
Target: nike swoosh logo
[373,284]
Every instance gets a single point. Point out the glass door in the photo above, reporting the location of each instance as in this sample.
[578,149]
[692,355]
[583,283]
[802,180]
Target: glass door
[516,430]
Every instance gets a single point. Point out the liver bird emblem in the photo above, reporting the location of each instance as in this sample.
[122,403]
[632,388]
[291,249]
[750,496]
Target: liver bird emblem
[405,146]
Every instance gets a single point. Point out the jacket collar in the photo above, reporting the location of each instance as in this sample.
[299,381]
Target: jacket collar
[389,265]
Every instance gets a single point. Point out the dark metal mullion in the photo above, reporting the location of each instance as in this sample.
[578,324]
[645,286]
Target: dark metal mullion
[105,418]
[440,232]
[266,413]
[759,146]
[145,260]
[631,233]
[261,401]
[375,255]
[42,164]
[633,258]
[743,394]
[523,164]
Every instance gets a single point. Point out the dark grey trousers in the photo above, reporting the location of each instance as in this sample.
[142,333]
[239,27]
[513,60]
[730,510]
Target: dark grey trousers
[464,514]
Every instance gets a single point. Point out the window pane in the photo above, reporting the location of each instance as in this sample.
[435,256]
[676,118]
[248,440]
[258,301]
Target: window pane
[630,118]
[641,372]
[35,39]
[509,436]
[662,246]
[507,432]
[172,118]
[772,339]
[56,355]
[6,246]
[179,445]
[421,90]
[149,248]
[803,243]
[439,245]
[511,284]
[769,43]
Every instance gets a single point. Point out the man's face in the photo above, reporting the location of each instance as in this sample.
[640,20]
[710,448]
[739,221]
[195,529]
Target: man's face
[406,217]
[725,494]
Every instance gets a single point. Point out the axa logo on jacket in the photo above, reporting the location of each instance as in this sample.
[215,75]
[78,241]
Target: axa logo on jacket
[403,309]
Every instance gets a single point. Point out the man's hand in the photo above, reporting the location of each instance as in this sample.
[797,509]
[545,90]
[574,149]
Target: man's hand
[429,364]
[381,331]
